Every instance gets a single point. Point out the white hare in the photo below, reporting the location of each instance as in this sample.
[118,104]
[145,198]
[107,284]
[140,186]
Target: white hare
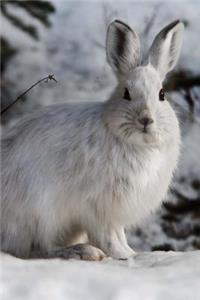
[93,168]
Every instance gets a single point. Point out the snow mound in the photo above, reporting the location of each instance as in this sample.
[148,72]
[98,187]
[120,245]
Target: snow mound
[146,276]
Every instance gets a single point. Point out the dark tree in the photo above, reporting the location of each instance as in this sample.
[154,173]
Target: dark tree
[39,10]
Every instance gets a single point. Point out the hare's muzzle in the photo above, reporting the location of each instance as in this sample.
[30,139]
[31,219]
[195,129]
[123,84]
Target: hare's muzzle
[146,122]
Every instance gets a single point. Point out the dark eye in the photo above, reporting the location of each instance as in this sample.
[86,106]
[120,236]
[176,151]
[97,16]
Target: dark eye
[127,95]
[161,95]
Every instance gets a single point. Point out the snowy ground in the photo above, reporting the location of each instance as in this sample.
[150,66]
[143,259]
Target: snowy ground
[147,276]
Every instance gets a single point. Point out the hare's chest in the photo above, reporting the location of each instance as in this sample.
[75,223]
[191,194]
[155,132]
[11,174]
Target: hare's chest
[146,184]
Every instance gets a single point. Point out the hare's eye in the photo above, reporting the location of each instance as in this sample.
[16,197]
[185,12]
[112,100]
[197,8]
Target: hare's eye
[127,95]
[161,95]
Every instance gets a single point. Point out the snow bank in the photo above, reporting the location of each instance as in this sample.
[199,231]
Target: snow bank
[147,276]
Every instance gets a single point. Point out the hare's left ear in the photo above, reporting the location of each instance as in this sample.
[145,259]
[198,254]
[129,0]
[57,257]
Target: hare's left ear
[165,50]
[122,48]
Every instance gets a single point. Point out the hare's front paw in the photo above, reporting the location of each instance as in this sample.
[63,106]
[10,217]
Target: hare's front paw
[122,254]
[114,244]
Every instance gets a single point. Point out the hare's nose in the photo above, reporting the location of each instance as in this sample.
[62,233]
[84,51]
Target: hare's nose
[146,121]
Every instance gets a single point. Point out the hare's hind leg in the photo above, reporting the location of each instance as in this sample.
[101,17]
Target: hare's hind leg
[78,251]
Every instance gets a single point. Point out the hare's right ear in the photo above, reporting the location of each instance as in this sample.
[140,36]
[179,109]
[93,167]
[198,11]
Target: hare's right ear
[122,48]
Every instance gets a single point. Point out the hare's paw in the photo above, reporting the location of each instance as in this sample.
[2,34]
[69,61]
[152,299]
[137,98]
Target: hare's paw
[122,254]
[79,251]
[114,244]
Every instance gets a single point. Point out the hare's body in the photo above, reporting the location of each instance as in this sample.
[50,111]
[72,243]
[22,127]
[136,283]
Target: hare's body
[76,168]
[93,184]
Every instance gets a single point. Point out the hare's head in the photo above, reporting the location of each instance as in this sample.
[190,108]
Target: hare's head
[138,111]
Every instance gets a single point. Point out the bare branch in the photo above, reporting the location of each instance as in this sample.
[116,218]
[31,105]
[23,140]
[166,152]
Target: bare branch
[45,79]
[108,15]
[150,21]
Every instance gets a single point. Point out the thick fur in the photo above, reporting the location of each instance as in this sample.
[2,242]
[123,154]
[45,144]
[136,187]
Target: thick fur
[75,168]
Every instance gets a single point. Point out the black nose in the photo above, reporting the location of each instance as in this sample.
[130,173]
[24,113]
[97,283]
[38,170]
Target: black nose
[146,121]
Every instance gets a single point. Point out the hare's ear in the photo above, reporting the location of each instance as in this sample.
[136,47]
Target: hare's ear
[166,47]
[122,48]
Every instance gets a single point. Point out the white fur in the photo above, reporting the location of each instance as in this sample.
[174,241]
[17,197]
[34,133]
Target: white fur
[76,168]
[166,47]
[121,37]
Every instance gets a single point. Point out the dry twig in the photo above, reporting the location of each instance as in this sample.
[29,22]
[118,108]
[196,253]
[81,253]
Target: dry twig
[45,79]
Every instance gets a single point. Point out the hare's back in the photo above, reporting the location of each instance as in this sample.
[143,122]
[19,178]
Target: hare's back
[50,124]
[45,139]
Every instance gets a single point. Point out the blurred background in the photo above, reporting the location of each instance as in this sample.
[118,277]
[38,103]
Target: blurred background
[67,38]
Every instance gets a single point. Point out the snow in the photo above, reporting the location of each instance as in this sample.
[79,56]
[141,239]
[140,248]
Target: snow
[73,48]
[146,276]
